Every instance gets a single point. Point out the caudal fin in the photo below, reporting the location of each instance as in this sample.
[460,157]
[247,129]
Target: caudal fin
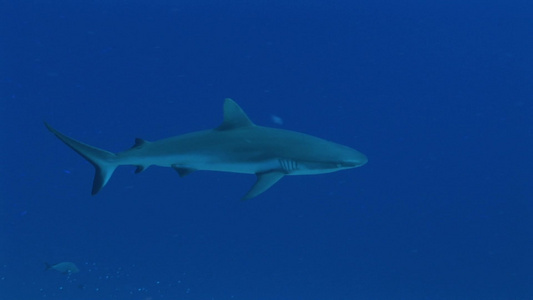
[104,162]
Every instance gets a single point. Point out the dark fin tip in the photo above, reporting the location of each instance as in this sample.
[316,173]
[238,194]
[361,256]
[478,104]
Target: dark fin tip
[139,143]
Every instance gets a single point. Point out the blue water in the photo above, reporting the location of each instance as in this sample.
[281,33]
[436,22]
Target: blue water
[438,95]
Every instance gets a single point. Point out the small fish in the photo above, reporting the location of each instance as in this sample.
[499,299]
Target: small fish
[63,267]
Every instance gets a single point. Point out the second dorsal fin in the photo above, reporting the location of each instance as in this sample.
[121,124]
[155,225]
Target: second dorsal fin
[139,143]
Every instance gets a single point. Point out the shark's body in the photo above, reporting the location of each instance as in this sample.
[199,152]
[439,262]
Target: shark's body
[237,146]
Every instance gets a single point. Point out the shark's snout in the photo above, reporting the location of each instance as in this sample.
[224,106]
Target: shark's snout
[355,161]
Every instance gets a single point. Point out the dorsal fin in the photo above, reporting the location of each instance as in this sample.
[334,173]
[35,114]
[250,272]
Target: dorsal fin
[234,116]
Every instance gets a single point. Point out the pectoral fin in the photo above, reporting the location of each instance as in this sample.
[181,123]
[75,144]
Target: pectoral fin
[263,183]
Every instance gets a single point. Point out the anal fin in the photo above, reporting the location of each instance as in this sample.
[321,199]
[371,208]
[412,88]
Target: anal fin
[140,169]
[183,171]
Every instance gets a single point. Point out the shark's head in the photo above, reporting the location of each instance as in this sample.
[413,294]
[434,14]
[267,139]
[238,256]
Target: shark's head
[326,157]
[351,158]
[343,157]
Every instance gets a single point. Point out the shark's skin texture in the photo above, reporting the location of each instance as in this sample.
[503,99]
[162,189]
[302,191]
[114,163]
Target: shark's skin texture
[237,145]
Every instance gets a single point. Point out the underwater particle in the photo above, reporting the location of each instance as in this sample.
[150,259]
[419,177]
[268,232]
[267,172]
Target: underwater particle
[276,120]
[63,267]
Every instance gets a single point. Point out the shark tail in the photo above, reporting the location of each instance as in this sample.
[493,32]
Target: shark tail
[104,162]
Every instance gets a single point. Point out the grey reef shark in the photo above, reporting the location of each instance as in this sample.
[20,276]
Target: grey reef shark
[237,145]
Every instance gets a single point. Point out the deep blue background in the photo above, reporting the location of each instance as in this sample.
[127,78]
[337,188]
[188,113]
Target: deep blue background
[438,94]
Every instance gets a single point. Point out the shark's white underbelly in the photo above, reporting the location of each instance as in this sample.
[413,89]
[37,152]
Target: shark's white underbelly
[218,163]
[203,162]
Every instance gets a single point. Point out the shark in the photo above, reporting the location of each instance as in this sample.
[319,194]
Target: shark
[237,145]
